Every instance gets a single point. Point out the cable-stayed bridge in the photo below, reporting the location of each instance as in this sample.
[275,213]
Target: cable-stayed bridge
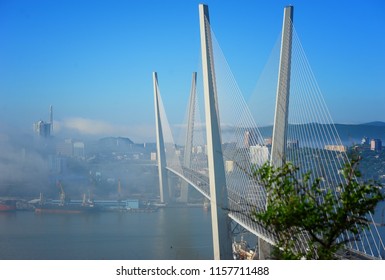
[217,156]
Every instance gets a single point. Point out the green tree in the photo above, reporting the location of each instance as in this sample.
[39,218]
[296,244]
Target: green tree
[299,207]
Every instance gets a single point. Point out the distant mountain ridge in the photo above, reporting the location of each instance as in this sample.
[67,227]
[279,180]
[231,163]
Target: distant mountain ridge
[354,133]
[376,123]
[349,133]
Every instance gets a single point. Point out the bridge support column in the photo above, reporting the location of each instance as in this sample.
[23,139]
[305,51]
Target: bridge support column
[218,190]
[161,155]
[279,141]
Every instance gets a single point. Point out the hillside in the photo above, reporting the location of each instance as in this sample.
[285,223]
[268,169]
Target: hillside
[349,133]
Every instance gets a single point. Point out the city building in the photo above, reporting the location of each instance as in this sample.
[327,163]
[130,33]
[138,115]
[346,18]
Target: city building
[65,148]
[44,129]
[57,164]
[259,154]
[79,150]
[337,148]
[375,145]
[293,144]
[268,141]
[198,149]
[229,166]
[153,156]
[250,138]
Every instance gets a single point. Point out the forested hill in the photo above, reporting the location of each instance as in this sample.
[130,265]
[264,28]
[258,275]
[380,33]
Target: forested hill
[349,133]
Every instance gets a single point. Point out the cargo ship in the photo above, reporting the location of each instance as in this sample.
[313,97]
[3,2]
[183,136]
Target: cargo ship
[7,205]
[66,207]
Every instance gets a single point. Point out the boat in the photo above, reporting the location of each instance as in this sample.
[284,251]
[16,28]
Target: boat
[139,210]
[159,204]
[7,205]
[65,206]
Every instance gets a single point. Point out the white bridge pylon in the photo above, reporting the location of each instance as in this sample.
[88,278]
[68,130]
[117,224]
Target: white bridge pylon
[161,155]
[221,171]
[216,170]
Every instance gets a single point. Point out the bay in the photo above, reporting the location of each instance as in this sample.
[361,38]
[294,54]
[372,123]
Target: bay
[168,234]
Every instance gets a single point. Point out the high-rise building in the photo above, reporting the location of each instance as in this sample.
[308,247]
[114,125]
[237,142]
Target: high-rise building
[42,128]
[250,138]
[375,144]
[259,154]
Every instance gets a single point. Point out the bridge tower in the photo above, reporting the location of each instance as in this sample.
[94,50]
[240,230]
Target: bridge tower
[161,155]
[279,141]
[189,137]
[218,190]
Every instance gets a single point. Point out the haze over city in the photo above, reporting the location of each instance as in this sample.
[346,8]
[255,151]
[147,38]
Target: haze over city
[107,150]
[92,60]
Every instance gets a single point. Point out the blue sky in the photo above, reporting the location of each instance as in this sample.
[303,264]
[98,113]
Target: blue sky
[93,60]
